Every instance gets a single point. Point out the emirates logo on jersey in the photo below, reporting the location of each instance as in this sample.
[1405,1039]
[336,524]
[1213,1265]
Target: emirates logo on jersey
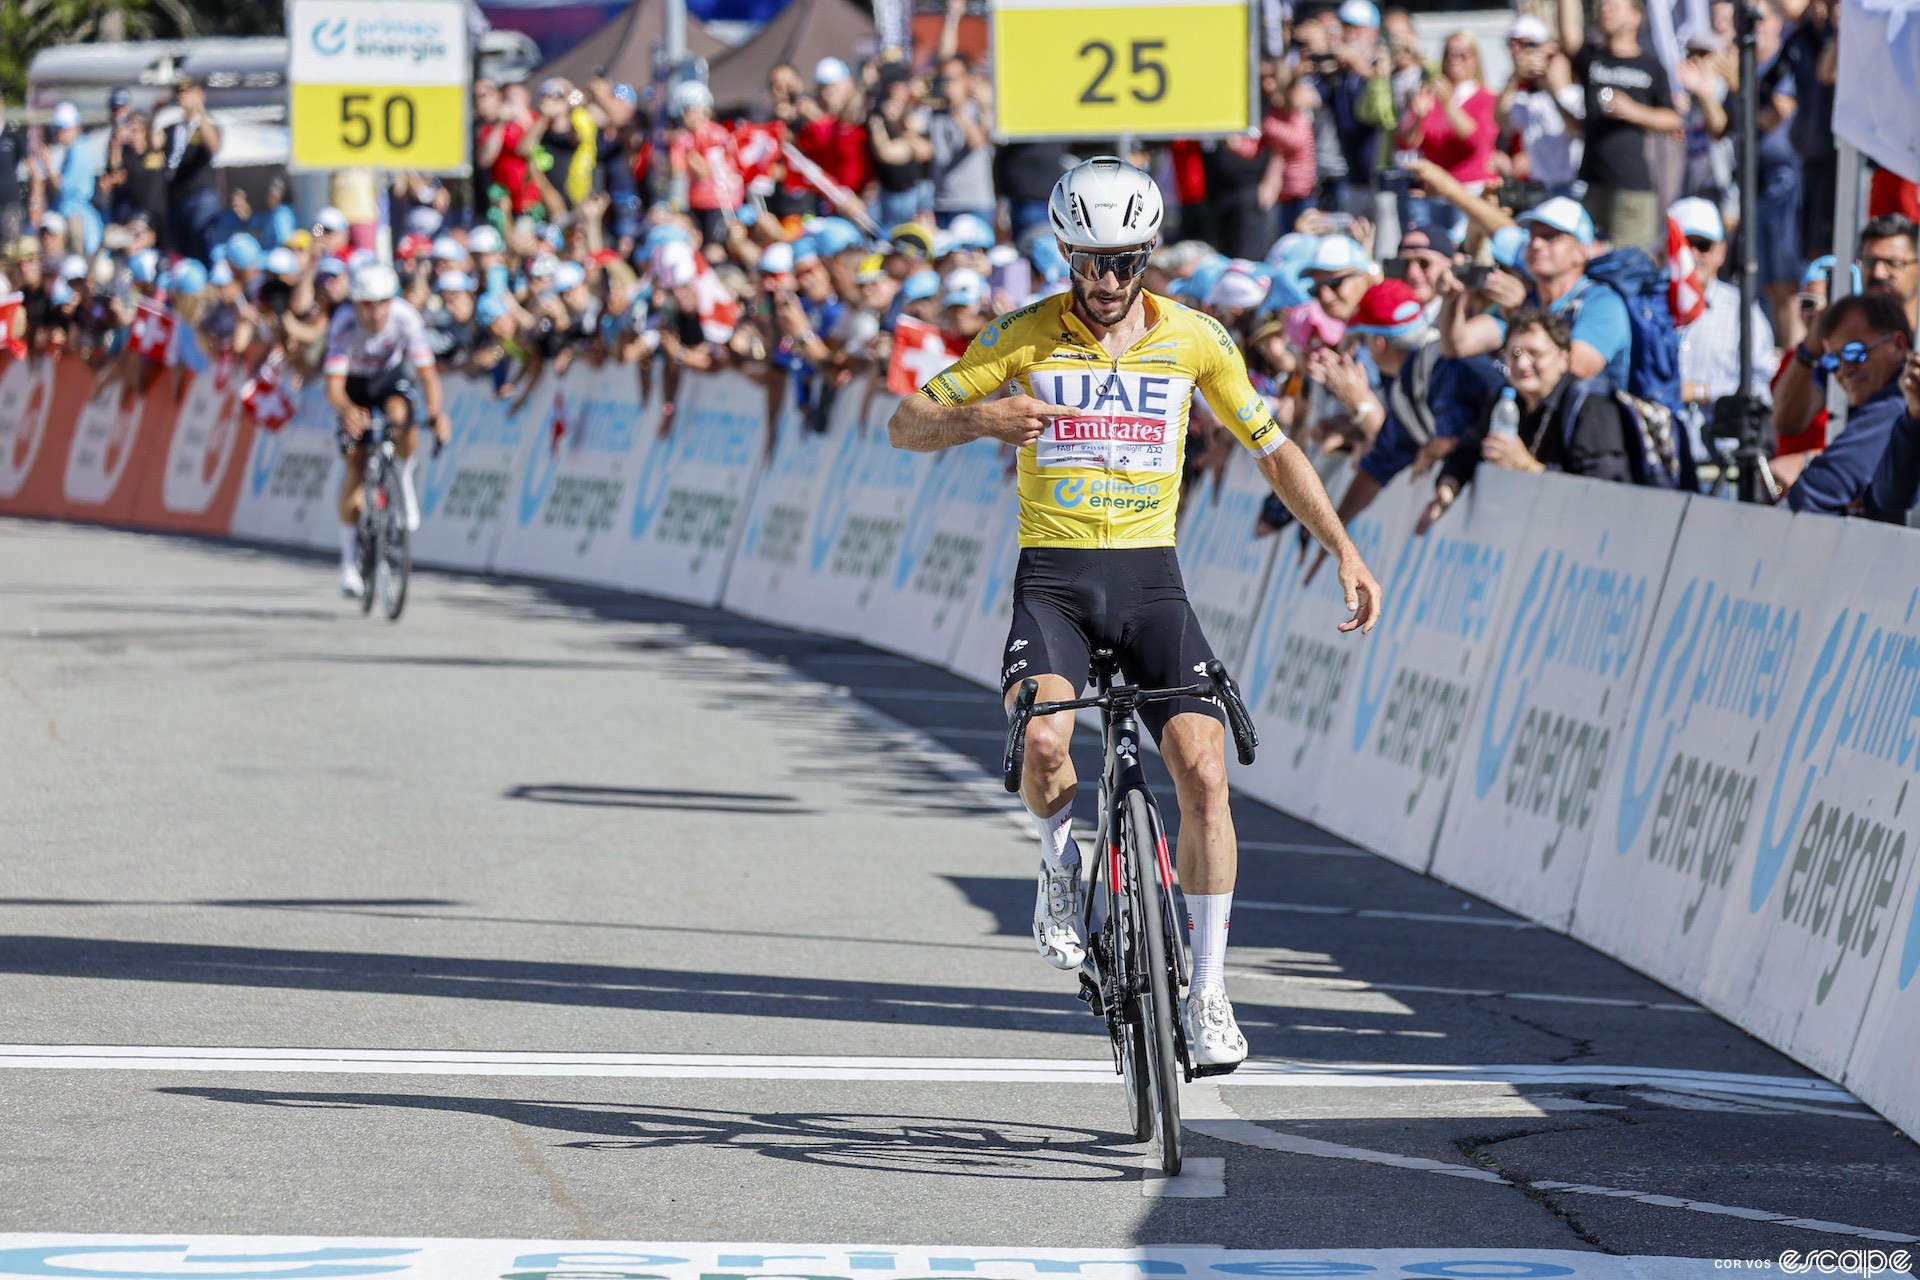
[1125,430]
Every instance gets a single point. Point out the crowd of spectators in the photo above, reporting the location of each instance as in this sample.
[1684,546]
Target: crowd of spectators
[1400,247]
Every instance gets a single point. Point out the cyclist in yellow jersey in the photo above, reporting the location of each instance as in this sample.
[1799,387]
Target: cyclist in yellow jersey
[1103,379]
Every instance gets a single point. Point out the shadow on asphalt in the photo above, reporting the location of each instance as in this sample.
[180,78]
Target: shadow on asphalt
[870,1143]
[658,798]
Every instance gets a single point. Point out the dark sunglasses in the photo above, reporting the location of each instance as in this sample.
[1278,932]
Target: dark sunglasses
[1700,244]
[1852,353]
[1332,284]
[1095,266]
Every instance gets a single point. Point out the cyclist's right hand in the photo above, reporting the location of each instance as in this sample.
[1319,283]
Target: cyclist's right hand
[1019,420]
[356,420]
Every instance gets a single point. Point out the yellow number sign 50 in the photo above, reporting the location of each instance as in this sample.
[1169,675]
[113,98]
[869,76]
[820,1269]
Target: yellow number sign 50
[379,126]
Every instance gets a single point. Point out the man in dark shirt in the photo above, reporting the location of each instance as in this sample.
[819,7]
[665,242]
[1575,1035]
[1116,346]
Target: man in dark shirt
[193,192]
[1628,98]
[1867,339]
[13,150]
[1809,55]
[1552,437]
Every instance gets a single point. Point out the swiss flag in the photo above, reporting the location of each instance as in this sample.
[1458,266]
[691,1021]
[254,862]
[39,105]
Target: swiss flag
[265,395]
[759,147]
[920,353]
[1686,291]
[10,306]
[151,335]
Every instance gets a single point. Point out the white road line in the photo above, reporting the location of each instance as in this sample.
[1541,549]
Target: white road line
[1376,913]
[669,1066]
[1200,1178]
[171,1253]
[1287,846]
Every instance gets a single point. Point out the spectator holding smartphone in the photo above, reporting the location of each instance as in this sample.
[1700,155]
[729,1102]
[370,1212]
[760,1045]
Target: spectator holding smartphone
[1533,110]
[193,192]
[1451,124]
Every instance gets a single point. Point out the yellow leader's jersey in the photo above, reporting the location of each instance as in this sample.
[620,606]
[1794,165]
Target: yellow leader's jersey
[1109,476]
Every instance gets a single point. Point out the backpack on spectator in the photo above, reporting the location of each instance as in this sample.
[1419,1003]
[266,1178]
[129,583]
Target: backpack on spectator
[1657,455]
[1652,393]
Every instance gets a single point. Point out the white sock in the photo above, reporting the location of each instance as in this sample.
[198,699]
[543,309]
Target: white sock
[1057,848]
[1208,918]
[406,471]
[349,546]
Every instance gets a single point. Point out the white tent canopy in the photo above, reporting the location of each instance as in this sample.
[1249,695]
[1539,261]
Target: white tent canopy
[1877,100]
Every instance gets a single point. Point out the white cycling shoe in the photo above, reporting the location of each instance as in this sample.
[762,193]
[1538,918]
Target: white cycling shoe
[351,584]
[1214,1041]
[409,504]
[1056,918]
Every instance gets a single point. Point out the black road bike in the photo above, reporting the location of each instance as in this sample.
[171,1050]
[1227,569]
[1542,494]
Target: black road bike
[1137,962]
[386,554]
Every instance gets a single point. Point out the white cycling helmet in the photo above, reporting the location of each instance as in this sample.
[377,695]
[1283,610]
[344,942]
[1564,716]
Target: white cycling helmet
[689,94]
[374,282]
[1105,203]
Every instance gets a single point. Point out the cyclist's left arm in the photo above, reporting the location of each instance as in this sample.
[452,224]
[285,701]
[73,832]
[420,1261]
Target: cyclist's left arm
[420,354]
[1244,411]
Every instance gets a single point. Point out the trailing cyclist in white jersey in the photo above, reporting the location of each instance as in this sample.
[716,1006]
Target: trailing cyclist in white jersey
[1098,488]
[376,350]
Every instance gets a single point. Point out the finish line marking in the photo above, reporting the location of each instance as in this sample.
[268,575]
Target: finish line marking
[671,1066]
[163,1254]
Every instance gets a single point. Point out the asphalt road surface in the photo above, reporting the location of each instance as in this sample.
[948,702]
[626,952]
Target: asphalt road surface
[553,914]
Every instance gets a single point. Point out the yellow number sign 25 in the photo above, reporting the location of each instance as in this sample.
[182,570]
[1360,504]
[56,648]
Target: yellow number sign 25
[1065,69]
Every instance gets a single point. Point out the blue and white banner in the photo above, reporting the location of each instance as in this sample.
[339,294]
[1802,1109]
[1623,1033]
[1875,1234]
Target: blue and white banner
[695,489]
[1224,565]
[290,493]
[468,491]
[582,439]
[768,579]
[1547,718]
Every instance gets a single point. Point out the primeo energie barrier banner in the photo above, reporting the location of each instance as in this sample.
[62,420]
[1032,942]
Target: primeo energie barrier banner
[1686,732]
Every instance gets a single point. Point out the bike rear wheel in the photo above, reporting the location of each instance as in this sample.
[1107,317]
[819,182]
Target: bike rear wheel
[396,548]
[370,551]
[1152,970]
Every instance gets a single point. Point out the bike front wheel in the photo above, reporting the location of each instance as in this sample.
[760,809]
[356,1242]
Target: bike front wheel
[1152,971]
[371,525]
[396,548]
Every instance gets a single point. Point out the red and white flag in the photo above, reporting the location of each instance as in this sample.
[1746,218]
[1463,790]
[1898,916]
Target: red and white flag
[920,353]
[266,396]
[1686,290]
[151,334]
[11,305]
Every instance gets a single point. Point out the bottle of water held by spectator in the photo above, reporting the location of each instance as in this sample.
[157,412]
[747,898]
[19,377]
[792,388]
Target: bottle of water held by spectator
[1506,415]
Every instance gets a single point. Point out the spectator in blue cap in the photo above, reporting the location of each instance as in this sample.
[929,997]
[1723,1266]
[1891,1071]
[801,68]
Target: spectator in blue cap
[1559,238]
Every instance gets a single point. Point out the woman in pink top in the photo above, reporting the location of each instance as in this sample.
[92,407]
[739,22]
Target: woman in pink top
[1451,122]
[1286,134]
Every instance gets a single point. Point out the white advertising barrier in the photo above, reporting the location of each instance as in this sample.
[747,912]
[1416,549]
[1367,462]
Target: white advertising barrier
[202,450]
[694,490]
[582,438]
[768,580]
[103,443]
[1686,793]
[1547,717]
[1299,671]
[467,490]
[980,653]
[1810,920]
[1223,564]
[1881,1070]
[932,587]
[26,409]
[291,489]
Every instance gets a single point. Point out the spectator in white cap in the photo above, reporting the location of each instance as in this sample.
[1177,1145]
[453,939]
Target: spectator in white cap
[1559,238]
[962,165]
[330,233]
[1710,346]
[1355,111]
[1540,109]
[963,303]
[72,179]
[53,236]
[1340,273]
[1236,293]
[834,132]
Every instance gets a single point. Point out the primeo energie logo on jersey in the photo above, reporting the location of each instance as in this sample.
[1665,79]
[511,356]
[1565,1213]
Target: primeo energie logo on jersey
[1132,421]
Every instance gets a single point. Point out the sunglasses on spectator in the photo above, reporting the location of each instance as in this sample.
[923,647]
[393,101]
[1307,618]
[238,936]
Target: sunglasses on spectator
[1123,266]
[1870,265]
[1333,284]
[1700,244]
[1852,353]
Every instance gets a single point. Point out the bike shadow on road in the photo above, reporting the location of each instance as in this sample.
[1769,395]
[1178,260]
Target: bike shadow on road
[943,1145]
